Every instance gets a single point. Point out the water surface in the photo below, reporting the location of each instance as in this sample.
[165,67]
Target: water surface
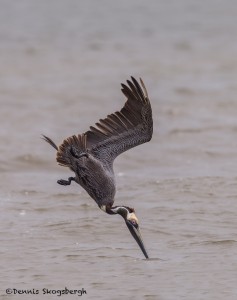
[61,63]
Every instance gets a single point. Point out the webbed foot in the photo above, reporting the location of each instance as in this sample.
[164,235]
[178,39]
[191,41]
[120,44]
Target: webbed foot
[66,182]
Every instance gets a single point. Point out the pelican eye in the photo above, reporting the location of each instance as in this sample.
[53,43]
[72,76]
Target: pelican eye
[134,223]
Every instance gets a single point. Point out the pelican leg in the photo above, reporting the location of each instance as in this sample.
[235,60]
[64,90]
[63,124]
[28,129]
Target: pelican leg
[77,155]
[83,154]
[66,182]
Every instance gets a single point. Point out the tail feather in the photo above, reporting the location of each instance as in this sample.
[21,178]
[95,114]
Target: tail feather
[48,140]
[73,144]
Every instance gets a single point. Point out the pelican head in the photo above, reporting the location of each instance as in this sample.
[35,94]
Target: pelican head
[132,223]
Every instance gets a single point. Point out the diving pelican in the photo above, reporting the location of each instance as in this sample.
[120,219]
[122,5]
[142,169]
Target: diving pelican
[90,155]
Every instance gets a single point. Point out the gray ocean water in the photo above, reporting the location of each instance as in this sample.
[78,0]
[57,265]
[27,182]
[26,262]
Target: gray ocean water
[61,65]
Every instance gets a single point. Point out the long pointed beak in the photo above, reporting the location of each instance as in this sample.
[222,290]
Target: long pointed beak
[137,236]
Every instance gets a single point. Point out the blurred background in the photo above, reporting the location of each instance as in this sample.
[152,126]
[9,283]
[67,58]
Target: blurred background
[61,65]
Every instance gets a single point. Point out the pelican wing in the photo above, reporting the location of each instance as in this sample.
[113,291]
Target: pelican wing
[124,129]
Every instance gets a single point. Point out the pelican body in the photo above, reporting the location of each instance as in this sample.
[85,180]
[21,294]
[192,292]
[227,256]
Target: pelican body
[90,155]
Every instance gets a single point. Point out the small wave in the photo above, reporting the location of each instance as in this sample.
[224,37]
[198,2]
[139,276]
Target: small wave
[29,158]
[27,161]
[220,242]
[59,224]
[66,195]
[184,91]
[153,259]
[73,256]
[28,192]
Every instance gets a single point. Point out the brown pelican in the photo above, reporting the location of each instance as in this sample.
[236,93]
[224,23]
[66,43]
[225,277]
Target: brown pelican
[90,155]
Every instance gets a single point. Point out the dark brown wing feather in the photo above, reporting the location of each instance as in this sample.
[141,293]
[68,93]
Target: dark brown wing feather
[124,129]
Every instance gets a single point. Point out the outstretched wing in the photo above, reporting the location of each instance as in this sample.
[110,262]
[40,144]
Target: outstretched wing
[124,129]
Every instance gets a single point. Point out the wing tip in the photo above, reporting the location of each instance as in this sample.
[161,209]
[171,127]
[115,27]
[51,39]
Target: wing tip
[140,87]
[135,82]
[144,87]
